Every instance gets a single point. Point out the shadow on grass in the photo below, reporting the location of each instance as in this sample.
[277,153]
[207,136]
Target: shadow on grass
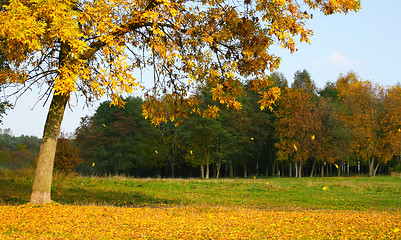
[16,193]
[84,196]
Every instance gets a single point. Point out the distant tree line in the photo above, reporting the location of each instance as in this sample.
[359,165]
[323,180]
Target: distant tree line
[351,126]
[17,152]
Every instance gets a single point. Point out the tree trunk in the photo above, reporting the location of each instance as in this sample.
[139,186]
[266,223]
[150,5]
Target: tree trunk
[44,170]
[207,170]
[374,172]
[296,170]
[202,171]
[218,166]
[313,168]
[322,171]
[290,170]
[300,170]
[172,169]
[339,170]
[371,167]
[273,169]
[245,171]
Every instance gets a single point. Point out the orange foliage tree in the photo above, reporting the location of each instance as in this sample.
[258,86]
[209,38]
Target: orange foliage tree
[390,121]
[299,128]
[92,48]
[370,114]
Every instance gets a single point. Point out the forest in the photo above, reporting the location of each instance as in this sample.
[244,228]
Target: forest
[350,127]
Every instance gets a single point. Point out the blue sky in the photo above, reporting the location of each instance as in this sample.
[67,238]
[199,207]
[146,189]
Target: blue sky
[367,42]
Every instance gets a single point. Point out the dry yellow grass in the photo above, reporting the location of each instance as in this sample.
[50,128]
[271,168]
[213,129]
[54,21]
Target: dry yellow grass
[192,222]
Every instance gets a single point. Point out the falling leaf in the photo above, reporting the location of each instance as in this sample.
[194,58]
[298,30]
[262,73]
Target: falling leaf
[254,177]
[190,152]
[251,138]
[156,152]
[103,125]
[324,188]
[93,164]
[325,163]
[399,130]
[313,137]
[295,147]
[336,165]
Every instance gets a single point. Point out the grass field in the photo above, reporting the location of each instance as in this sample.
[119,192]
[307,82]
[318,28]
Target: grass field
[261,208]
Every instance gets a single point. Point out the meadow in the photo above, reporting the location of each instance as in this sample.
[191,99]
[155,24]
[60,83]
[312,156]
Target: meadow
[118,207]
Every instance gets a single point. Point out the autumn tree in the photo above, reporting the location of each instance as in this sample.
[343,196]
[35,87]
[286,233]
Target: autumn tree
[361,111]
[390,144]
[299,128]
[91,49]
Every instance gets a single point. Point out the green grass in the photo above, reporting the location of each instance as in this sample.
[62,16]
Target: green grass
[357,193]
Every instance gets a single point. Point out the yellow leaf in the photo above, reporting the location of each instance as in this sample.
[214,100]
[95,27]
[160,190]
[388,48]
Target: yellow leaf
[313,137]
[103,125]
[190,152]
[156,152]
[336,165]
[295,147]
[324,188]
[251,139]
[93,164]
[267,183]
[396,230]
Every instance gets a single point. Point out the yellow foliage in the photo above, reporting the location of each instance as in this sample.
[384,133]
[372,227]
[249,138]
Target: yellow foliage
[211,112]
[95,47]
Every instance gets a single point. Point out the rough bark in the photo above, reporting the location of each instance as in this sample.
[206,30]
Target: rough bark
[44,170]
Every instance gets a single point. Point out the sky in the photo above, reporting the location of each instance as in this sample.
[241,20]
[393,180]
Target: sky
[367,42]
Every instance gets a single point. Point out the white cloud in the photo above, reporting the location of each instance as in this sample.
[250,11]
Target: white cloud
[336,60]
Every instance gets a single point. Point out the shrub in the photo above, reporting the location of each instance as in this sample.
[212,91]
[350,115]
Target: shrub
[67,156]
[396,168]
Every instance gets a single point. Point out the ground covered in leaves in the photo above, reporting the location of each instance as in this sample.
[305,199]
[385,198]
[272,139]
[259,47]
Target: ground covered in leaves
[256,208]
[192,222]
